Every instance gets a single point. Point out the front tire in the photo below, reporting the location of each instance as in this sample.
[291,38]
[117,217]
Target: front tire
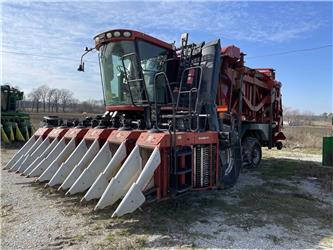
[230,164]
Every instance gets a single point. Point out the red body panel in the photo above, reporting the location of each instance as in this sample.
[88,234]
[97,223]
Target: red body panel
[119,136]
[58,133]
[43,132]
[259,91]
[134,35]
[123,107]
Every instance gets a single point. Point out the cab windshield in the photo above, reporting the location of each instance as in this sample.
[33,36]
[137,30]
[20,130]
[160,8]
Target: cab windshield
[120,62]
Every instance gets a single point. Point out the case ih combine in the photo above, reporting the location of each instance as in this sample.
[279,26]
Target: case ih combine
[177,119]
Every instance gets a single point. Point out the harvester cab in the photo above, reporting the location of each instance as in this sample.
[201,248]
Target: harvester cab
[129,61]
[177,119]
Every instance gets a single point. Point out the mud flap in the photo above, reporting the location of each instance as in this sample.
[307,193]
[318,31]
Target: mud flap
[134,198]
[101,182]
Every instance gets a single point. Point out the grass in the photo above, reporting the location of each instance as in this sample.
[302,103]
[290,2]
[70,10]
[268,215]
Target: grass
[79,237]
[114,240]
[6,210]
[326,242]
[110,238]
[140,241]
[272,168]
[283,208]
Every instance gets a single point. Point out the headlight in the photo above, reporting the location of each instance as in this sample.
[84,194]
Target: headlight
[127,34]
[109,35]
[116,34]
[97,40]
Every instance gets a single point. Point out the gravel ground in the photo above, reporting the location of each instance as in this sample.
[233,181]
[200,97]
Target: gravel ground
[256,213]
[31,220]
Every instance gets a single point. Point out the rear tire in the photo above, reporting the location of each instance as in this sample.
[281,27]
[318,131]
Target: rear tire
[252,153]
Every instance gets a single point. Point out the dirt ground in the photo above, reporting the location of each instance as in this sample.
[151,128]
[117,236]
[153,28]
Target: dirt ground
[286,203]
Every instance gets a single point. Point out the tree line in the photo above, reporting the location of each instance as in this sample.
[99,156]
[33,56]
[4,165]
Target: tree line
[46,99]
[294,117]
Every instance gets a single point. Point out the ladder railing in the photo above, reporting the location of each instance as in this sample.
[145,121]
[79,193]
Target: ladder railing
[191,112]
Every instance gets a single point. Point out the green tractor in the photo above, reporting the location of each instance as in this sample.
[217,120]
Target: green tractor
[15,125]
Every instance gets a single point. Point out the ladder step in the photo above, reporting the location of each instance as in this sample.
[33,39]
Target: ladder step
[183,151]
[135,80]
[183,171]
[183,188]
[188,91]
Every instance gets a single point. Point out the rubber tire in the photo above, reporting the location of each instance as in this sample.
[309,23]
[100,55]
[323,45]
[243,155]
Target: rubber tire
[228,180]
[251,147]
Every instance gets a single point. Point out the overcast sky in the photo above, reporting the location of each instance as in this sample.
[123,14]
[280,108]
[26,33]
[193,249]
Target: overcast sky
[42,42]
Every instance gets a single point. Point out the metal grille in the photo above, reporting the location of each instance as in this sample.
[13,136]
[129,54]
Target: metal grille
[214,163]
[201,167]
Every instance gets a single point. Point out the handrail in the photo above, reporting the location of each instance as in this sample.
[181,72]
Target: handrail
[189,93]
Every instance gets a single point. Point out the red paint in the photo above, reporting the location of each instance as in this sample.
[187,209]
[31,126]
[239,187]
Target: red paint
[98,133]
[57,133]
[43,132]
[123,108]
[119,136]
[77,133]
[135,36]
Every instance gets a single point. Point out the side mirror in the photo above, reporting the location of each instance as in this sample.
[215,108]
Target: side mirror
[183,39]
[81,67]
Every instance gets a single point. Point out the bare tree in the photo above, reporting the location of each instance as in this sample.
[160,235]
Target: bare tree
[50,95]
[44,89]
[56,99]
[66,96]
[35,96]
[53,99]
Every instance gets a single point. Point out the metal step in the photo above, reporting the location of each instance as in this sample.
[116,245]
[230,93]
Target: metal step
[183,171]
[183,188]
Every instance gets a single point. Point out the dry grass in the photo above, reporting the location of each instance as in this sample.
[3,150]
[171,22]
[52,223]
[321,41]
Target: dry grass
[308,138]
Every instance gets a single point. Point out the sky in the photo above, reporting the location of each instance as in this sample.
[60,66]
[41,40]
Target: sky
[42,42]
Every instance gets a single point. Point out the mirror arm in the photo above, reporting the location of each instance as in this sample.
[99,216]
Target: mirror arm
[81,66]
